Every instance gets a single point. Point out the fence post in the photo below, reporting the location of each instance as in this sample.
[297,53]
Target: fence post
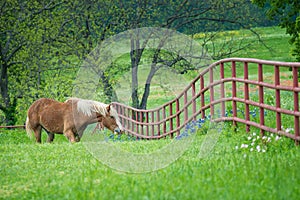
[261,99]
[147,121]
[194,100]
[277,97]
[141,120]
[137,120]
[246,97]
[233,75]
[296,103]
[152,120]
[185,107]
[202,97]
[164,118]
[177,116]
[222,88]
[211,92]
[171,118]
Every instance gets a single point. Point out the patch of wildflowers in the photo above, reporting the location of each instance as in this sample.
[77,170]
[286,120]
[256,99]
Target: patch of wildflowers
[256,143]
[191,128]
[289,130]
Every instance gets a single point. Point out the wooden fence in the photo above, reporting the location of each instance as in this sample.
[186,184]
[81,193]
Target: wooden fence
[222,92]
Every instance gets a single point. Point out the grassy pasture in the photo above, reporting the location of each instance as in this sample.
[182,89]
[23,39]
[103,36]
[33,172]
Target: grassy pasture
[65,171]
[268,43]
[240,166]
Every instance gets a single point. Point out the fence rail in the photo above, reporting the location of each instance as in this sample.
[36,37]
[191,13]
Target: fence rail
[12,127]
[225,83]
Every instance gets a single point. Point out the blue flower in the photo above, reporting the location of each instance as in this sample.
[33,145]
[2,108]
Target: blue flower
[178,137]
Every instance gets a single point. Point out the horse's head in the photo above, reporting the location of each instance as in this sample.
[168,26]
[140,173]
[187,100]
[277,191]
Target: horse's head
[111,120]
[99,112]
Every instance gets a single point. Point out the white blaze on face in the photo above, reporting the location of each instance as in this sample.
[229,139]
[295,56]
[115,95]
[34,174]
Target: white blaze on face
[114,113]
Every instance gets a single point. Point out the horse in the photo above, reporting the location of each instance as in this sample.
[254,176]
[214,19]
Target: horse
[69,118]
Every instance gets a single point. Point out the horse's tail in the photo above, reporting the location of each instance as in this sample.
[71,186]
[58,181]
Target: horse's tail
[28,128]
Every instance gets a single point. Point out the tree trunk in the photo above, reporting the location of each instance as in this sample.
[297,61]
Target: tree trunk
[10,113]
[4,84]
[8,108]
[146,94]
[109,92]
[135,55]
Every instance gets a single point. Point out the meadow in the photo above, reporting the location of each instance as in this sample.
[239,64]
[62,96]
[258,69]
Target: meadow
[231,171]
[238,165]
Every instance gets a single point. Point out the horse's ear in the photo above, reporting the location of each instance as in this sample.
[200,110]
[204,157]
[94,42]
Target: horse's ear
[108,108]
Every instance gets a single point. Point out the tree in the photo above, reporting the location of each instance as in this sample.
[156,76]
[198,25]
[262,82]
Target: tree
[288,13]
[177,15]
[22,34]
[43,42]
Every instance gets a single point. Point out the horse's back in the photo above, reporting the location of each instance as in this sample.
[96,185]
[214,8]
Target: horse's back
[40,104]
[49,113]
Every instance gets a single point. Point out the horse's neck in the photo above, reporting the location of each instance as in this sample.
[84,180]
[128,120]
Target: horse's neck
[89,119]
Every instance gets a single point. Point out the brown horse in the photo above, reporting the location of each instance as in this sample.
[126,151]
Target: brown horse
[69,118]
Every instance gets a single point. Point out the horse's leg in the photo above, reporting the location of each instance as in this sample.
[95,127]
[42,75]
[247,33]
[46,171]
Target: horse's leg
[79,135]
[70,135]
[50,137]
[80,132]
[37,133]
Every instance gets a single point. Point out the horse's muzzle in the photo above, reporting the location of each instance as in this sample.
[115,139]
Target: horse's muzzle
[117,130]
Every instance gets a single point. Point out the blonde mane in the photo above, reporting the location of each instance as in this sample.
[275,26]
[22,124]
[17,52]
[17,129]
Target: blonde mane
[87,107]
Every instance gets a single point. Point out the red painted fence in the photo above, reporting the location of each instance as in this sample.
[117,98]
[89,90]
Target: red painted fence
[225,84]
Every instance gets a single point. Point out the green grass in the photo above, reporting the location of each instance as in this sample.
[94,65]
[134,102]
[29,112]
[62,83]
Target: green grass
[275,46]
[268,43]
[67,171]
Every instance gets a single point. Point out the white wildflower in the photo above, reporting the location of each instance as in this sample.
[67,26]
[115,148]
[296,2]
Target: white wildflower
[254,134]
[263,150]
[244,146]
[289,130]
[236,147]
[277,137]
[249,138]
[251,149]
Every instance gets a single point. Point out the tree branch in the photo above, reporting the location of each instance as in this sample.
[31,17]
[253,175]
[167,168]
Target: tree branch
[47,7]
[14,52]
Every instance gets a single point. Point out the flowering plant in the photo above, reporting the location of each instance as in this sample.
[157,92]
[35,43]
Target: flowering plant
[257,143]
